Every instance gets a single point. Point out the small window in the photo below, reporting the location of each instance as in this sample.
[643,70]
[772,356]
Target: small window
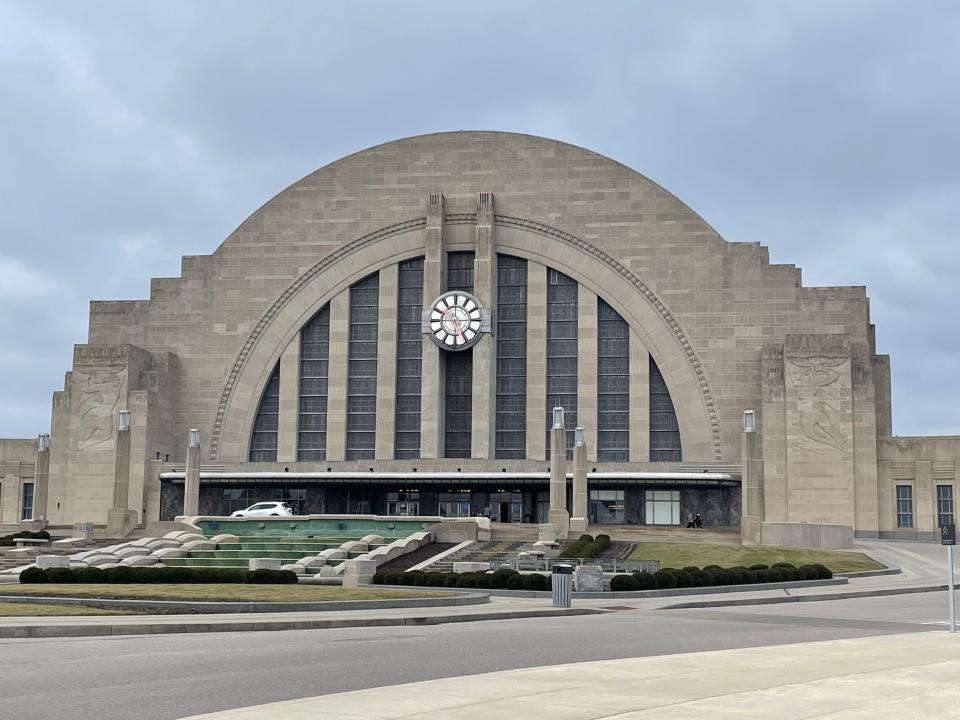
[904,506]
[27,513]
[944,505]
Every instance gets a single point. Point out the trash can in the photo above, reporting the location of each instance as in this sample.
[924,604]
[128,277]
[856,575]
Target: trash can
[562,583]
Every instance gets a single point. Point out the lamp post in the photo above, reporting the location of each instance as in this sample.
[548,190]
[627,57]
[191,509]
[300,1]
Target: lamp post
[191,483]
[578,521]
[120,518]
[121,474]
[558,516]
[43,477]
[750,481]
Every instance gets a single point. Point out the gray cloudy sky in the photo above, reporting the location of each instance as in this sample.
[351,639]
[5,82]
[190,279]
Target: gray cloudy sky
[134,133]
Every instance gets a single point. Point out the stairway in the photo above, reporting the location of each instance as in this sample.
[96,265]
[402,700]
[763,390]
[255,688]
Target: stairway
[481,552]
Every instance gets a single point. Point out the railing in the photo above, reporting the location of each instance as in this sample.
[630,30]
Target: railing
[543,563]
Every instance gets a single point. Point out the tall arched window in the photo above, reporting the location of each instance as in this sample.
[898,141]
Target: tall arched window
[314,374]
[362,369]
[511,417]
[613,385]
[562,352]
[409,358]
[263,440]
[664,429]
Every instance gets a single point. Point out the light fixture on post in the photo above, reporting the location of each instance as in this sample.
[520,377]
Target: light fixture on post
[749,421]
[43,442]
[578,519]
[191,479]
[558,417]
[579,436]
[123,420]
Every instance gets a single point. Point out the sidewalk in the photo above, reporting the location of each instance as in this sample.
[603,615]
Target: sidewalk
[894,676]
[83,626]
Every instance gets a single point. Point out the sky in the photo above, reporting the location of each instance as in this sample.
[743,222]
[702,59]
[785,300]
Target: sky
[134,133]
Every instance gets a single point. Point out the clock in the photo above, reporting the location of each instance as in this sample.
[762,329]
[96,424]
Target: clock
[456,320]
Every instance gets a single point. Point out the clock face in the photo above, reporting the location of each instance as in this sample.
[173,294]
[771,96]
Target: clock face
[455,320]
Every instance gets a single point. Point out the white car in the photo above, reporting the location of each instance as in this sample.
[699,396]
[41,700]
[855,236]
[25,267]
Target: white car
[275,509]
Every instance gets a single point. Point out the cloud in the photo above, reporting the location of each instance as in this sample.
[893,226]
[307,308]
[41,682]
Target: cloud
[20,283]
[134,134]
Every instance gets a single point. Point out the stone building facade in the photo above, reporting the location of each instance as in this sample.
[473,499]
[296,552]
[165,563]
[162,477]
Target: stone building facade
[305,351]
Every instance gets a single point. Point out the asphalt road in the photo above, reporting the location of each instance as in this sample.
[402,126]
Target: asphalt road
[173,676]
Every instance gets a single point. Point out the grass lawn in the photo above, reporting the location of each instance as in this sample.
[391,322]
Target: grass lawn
[679,555]
[28,609]
[239,592]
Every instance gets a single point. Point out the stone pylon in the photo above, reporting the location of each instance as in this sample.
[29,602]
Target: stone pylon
[578,521]
[191,483]
[558,517]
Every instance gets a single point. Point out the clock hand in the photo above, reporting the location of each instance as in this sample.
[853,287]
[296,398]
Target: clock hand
[456,324]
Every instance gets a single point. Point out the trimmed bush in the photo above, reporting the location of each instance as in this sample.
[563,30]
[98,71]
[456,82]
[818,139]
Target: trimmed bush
[176,575]
[33,575]
[435,579]
[713,567]
[483,581]
[776,576]
[91,575]
[760,576]
[272,577]
[759,567]
[121,575]
[743,575]
[378,577]
[466,581]
[61,575]
[684,579]
[149,575]
[391,578]
[691,569]
[665,580]
[646,581]
[536,581]
[515,582]
[499,578]
[205,576]
[823,572]
[450,580]
[788,574]
[420,579]
[703,578]
[624,583]
[727,577]
[787,566]
[232,575]
[808,572]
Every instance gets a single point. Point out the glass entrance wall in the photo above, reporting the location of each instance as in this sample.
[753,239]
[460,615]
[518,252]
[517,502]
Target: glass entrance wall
[606,507]
[454,504]
[662,507]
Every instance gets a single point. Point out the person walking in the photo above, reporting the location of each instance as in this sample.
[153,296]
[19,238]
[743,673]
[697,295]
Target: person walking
[690,520]
[698,519]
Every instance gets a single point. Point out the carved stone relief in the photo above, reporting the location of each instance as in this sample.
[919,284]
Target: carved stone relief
[99,402]
[814,384]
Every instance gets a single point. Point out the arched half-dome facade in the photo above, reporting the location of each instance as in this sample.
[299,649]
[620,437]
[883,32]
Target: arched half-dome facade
[392,333]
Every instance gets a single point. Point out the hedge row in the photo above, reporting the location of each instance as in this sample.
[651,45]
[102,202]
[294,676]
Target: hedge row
[503,579]
[134,575]
[714,575]
[8,540]
[586,546]
[665,579]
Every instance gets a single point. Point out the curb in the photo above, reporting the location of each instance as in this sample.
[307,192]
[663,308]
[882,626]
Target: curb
[641,594]
[52,631]
[189,607]
[807,598]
